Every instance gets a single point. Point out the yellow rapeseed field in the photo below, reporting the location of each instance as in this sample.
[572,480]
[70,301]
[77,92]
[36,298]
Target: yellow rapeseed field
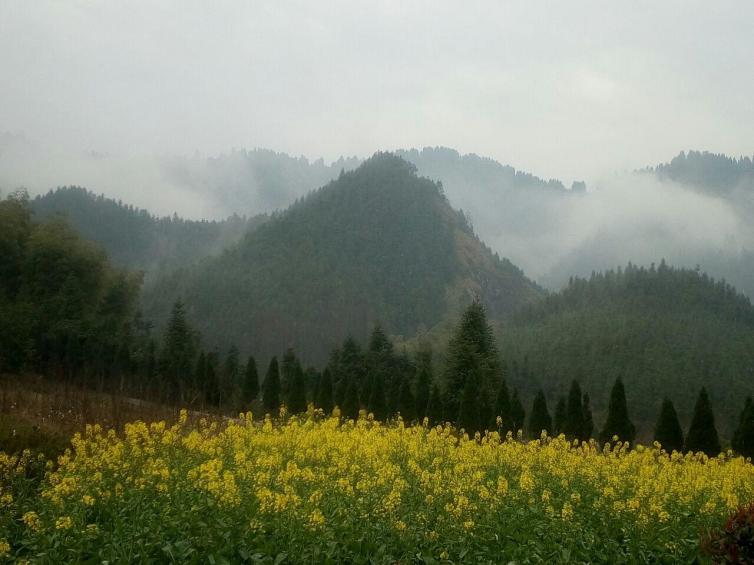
[317,490]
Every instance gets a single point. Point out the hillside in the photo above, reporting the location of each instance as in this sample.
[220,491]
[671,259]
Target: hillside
[664,331]
[133,237]
[379,244]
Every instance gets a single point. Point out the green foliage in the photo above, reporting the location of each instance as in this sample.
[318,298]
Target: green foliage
[743,438]
[575,425]
[588,420]
[540,419]
[561,413]
[702,434]
[324,400]
[663,331]
[350,410]
[250,389]
[668,430]
[434,407]
[424,380]
[503,408]
[178,351]
[297,390]
[518,414]
[407,402]
[271,388]
[618,423]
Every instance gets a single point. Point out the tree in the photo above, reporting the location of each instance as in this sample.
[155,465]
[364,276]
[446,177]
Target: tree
[324,399]
[271,388]
[468,412]
[561,413]
[287,370]
[212,378]
[702,434]
[423,384]
[351,406]
[297,390]
[503,408]
[376,404]
[472,354]
[574,421]
[406,401]
[231,374]
[588,420]
[540,419]
[434,406]
[200,375]
[743,437]
[667,430]
[178,351]
[250,389]
[618,422]
[518,414]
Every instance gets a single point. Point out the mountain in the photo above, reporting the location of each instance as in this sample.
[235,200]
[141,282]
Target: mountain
[665,331]
[379,244]
[134,238]
[710,172]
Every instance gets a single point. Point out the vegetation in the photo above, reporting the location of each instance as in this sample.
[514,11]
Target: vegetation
[306,489]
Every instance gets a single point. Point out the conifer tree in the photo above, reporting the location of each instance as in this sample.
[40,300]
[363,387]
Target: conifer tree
[200,375]
[351,406]
[743,437]
[271,389]
[250,389]
[340,391]
[406,401]
[618,422]
[561,413]
[178,351]
[377,404]
[423,385]
[540,419]
[574,421]
[586,433]
[287,370]
[468,412]
[702,434]
[324,393]
[486,412]
[231,374]
[668,430]
[297,390]
[518,414]
[503,408]
[213,378]
[434,406]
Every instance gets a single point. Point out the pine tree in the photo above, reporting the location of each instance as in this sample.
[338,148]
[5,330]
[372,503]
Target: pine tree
[561,413]
[297,390]
[574,422]
[434,406]
[250,389]
[702,434]
[618,422]
[271,389]
[540,419]
[324,393]
[518,414]
[200,375]
[231,374]
[178,351]
[377,405]
[468,411]
[667,430]
[351,401]
[287,370]
[588,428]
[406,402]
[486,412]
[503,408]
[423,385]
[743,437]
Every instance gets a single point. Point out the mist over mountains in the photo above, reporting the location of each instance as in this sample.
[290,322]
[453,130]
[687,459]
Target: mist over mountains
[693,211]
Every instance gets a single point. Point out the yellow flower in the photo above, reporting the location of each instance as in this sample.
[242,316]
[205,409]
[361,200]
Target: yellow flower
[63,523]
[4,548]
[31,519]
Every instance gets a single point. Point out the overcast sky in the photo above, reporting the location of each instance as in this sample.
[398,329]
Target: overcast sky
[560,89]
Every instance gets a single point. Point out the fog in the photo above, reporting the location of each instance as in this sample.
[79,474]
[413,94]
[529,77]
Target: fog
[153,103]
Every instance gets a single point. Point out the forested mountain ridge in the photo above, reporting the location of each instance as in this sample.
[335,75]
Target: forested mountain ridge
[712,172]
[136,239]
[379,244]
[664,331]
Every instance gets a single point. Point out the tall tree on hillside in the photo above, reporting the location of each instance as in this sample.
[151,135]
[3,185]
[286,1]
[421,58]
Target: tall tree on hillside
[231,374]
[271,388]
[588,420]
[503,408]
[702,434]
[743,437]
[178,351]
[540,419]
[574,421]
[250,389]
[668,430]
[377,404]
[406,401]
[468,411]
[351,406]
[618,423]
[518,414]
[324,399]
[561,413]
[472,354]
[434,407]
[297,390]
[423,383]
[288,367]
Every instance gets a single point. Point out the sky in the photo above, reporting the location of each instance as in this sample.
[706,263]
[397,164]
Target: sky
[568,90]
